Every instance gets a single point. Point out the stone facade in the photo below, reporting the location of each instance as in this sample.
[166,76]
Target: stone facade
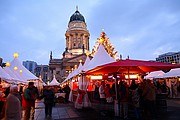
[77,45]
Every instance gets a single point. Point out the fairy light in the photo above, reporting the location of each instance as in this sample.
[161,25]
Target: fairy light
[15,68]
[15,55]
[8,64]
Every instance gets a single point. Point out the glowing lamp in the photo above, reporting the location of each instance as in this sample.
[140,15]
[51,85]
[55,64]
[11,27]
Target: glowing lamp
[87,53]
[96,77]
[131,76]
[101,40]
[7,64]
[75,66]
[16,55]
[20,71]
[80,61]
[15,68]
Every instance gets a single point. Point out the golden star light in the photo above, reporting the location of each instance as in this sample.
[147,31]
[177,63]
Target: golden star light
[15,55]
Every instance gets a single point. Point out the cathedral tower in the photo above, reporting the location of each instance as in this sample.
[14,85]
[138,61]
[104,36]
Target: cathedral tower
[77,44]
[77,35]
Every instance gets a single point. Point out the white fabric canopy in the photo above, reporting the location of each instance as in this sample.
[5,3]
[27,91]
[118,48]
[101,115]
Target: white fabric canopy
[14,77]
[83,84]
[101,57]
[54,82]
[86,62]
[78,70]
[25,75]
[4,75]
[70,75]
[173,73]
[155,74]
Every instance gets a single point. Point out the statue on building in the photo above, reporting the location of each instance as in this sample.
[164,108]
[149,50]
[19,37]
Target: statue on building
[51,55]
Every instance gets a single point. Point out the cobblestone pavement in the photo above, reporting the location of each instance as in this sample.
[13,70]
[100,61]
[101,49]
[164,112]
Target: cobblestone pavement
[68,112]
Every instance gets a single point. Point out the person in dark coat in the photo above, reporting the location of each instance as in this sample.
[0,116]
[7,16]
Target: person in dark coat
[67,90]
[48,96]
[29,98]
[13,105]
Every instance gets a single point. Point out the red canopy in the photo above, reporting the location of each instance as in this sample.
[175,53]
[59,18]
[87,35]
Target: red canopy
[132,66]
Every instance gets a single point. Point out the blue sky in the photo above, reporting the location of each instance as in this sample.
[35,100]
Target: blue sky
[142,29]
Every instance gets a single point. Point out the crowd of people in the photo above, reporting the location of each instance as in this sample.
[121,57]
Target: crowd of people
[141,97]
[16,104]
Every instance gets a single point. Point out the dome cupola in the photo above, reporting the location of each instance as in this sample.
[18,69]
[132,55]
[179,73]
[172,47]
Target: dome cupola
[77,16]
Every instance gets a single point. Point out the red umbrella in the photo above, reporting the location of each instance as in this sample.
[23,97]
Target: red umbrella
[129,67]
[132,66]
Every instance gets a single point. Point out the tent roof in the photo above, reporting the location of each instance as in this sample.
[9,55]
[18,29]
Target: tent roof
[26,74]
[155,74]
[4,74]
[173,73]
[13,75]
[79,69]
[101,57]
[86,61]
[132,66]
[54,82]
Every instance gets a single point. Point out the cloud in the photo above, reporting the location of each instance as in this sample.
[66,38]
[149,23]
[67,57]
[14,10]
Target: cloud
[163,49]
[33,34]
[141,29]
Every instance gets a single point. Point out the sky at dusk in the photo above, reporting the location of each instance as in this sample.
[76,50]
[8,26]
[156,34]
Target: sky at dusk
[142,29]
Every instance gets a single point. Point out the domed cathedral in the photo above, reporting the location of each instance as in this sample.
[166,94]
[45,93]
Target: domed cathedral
[77,35]
[77,46]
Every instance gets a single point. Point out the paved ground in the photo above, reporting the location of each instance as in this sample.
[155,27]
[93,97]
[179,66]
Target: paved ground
[68,112]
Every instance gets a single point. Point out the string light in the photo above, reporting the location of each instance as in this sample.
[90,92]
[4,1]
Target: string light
[15,68]
[7,64]
[15,55]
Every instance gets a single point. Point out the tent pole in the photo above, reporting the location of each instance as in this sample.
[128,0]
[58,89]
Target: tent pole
[128,77]
[116,103]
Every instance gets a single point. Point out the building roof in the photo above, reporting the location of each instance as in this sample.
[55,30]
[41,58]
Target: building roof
[77,16]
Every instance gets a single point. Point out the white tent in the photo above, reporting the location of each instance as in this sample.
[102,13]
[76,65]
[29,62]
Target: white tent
[101,57]
[155,74]
[86,62]
[54,82]
[79,69]
[4,75]
[21,72]
[173,73]
[13,76]
[70,75]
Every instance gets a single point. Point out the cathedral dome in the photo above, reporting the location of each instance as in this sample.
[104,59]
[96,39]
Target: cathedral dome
[77,17]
